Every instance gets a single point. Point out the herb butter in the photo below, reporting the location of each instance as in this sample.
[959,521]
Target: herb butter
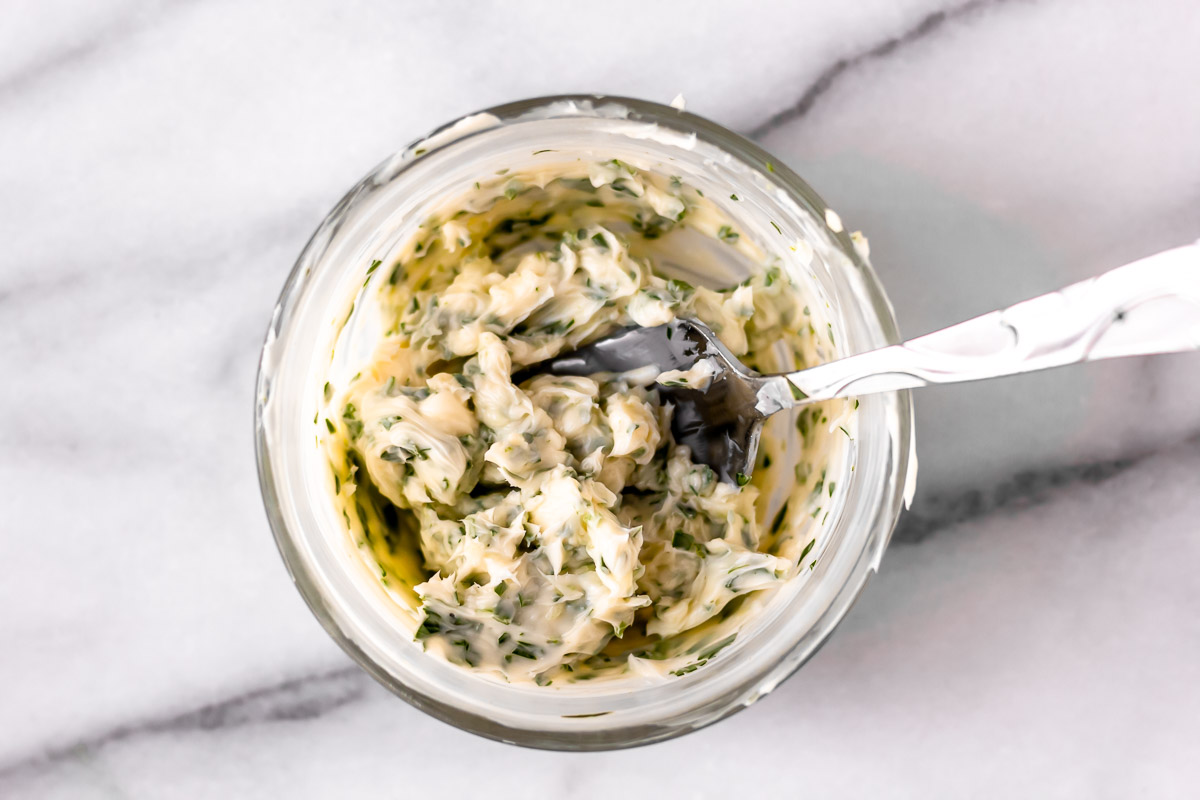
[550,530]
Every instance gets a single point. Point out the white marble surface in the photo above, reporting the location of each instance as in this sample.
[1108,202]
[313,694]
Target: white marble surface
[1035,630]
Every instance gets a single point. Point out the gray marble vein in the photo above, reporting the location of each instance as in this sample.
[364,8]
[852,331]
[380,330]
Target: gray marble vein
[938,512]
[294,700]
[926,26]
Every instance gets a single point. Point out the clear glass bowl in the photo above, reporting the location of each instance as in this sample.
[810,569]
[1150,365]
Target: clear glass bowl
[381,211]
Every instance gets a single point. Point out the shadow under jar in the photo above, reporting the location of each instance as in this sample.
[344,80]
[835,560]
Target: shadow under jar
[325,327]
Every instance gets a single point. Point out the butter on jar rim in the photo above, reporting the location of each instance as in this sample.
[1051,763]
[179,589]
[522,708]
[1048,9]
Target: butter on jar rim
[551,531]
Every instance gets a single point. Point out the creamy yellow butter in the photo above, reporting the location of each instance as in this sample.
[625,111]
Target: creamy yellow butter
[550,530]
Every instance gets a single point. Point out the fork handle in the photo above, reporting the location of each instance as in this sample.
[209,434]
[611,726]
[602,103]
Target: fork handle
[1149,306]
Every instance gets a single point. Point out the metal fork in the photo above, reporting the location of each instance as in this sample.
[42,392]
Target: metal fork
[1149,306]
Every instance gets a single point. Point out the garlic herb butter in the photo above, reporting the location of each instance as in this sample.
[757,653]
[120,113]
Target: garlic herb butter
[549,530]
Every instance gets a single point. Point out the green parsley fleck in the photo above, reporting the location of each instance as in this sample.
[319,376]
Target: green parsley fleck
[807,549]
[777,524]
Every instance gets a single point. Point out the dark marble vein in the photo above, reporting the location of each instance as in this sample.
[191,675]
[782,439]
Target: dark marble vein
[290,701]
[1023,490]
[926,26]
[1026,489]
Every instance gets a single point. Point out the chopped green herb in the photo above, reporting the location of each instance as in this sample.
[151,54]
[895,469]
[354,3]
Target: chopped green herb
[525,650]
[689,668]
[779,519]
[353,423]
[713,649]
[430,626]
[620,185]
[807,549]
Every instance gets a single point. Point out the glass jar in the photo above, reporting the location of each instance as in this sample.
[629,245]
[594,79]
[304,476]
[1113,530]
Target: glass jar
[874,468]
